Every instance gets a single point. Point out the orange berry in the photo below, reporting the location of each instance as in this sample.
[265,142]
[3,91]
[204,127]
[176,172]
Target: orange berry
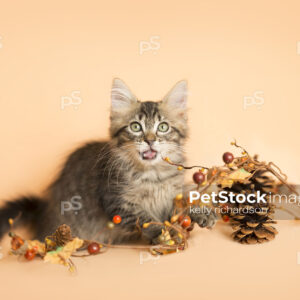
[185,221]
[225,218]
[30,254]
[117,219]
[214,172]
[16,242]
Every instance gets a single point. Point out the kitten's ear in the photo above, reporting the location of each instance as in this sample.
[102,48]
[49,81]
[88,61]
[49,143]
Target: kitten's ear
[177,96]
[121,96]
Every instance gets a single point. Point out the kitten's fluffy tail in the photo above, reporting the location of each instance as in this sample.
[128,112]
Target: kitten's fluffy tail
[26,210]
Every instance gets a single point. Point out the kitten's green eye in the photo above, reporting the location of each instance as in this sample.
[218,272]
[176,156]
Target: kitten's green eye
[163,127]
[135,127]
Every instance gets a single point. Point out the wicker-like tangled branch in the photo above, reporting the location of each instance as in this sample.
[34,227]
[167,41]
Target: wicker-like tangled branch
[61,246]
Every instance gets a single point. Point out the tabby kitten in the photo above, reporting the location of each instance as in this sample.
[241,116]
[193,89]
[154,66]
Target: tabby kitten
[124,176]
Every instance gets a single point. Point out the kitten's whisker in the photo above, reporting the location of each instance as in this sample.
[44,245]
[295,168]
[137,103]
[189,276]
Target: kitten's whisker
[101,155]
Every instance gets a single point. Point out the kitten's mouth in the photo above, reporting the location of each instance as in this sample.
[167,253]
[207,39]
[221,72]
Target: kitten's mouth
[149,154]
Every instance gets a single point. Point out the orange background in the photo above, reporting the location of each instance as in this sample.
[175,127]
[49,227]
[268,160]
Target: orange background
[227,50]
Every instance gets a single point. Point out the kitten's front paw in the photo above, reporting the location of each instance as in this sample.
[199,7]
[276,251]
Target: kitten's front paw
[204,218]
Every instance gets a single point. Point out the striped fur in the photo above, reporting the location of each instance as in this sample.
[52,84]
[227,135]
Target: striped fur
[112,178]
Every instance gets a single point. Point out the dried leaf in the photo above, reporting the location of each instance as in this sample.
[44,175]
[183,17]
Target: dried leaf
[62,254]
[239,175]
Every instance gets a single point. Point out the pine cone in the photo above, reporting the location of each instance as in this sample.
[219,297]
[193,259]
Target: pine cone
[254,227]
[62,235]
[252,222]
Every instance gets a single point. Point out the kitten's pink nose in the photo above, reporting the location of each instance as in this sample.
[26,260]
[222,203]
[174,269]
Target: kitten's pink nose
[150,139]
[150,142]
